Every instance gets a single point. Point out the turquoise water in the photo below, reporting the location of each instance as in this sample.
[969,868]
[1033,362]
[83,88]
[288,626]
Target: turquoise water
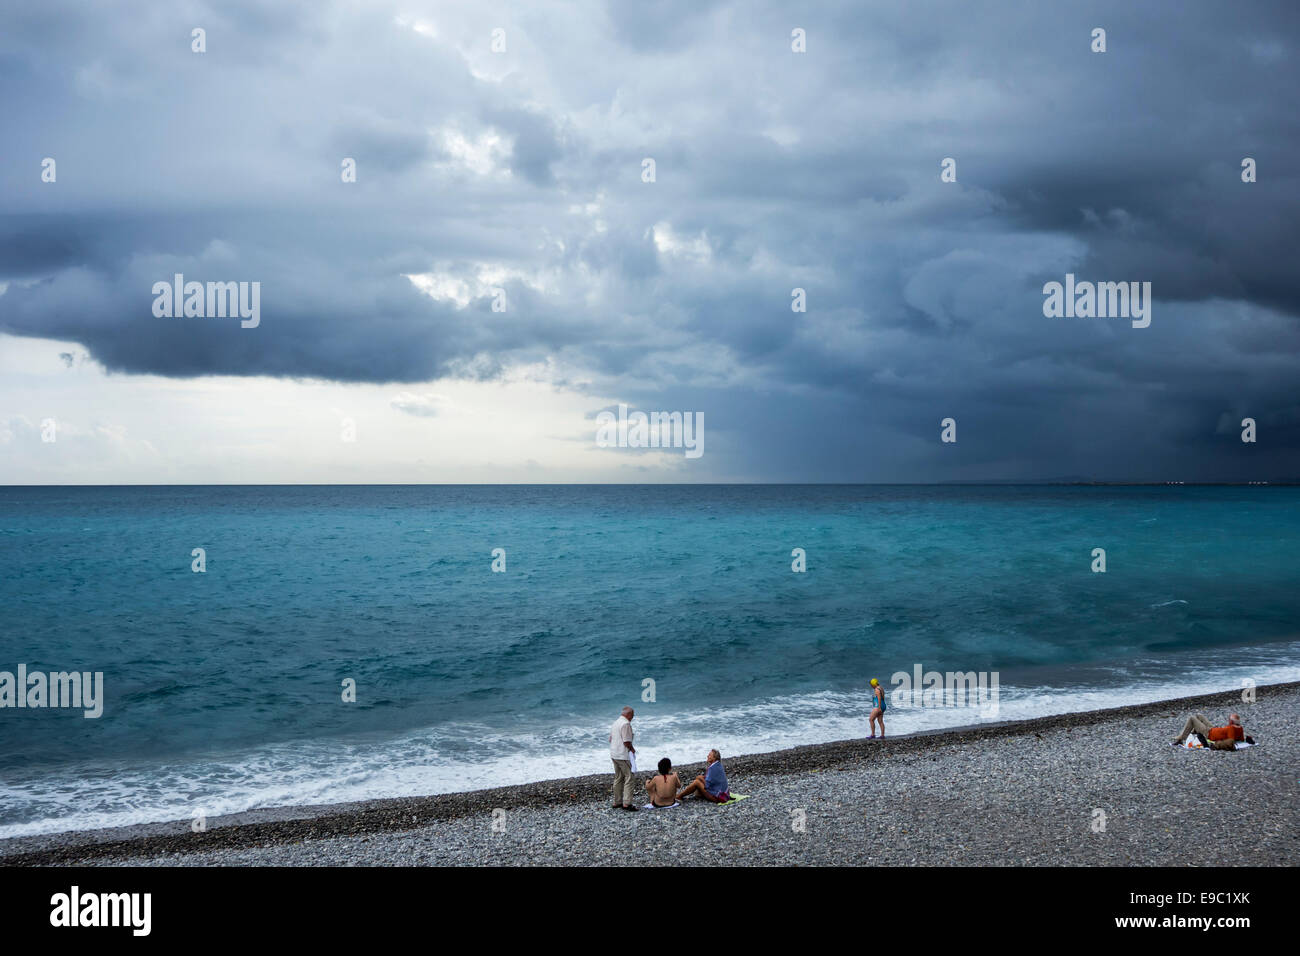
[223,689]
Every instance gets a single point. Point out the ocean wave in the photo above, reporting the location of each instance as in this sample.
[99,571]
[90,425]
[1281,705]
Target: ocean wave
[469,756]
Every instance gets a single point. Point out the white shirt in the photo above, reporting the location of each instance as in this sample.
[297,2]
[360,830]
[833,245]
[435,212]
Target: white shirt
[621,731]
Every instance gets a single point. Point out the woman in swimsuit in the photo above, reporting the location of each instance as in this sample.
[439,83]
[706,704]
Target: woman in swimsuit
[664,785]
[878,712]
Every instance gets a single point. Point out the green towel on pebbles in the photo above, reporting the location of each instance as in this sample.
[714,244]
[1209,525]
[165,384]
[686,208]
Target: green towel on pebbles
[735,798]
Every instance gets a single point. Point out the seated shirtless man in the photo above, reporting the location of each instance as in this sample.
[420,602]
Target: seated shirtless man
[710,785]
[663,786]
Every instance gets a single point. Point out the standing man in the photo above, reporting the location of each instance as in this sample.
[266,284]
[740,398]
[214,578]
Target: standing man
[620,751]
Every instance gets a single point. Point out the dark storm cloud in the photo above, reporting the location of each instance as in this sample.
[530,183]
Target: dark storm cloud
[774,170]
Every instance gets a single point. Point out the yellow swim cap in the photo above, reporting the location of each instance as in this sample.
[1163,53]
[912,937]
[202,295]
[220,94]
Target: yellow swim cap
[874,682]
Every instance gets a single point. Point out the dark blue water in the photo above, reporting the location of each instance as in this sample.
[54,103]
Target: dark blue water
[222,689]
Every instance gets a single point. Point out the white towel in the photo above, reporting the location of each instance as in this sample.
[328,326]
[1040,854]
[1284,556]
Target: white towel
[651,806]
[1193,744]
[631,756]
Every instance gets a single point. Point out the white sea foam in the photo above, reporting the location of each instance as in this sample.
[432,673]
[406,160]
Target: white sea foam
[459,757]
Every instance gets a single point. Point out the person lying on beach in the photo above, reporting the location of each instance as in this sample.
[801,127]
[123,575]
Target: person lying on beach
[1225,737]
[664,785]
[710,785]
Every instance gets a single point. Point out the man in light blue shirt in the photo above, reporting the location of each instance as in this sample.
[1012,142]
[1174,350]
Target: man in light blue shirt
[710,785]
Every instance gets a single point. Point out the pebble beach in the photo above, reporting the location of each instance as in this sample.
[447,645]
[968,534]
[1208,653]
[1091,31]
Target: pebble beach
[1084,789]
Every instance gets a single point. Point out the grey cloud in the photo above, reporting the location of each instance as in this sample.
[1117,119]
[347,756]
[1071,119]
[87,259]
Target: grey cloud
[818,170]
[536,143]
[420,405]
[670,24]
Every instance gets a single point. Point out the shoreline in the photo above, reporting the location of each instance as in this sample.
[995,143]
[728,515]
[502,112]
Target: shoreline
[268,828]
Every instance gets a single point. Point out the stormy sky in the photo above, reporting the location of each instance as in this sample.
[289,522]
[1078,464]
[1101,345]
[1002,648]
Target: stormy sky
[521,170]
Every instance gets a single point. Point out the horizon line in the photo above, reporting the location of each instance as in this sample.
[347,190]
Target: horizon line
[1285,483]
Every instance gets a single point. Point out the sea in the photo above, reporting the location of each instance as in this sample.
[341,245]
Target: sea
[266,646]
